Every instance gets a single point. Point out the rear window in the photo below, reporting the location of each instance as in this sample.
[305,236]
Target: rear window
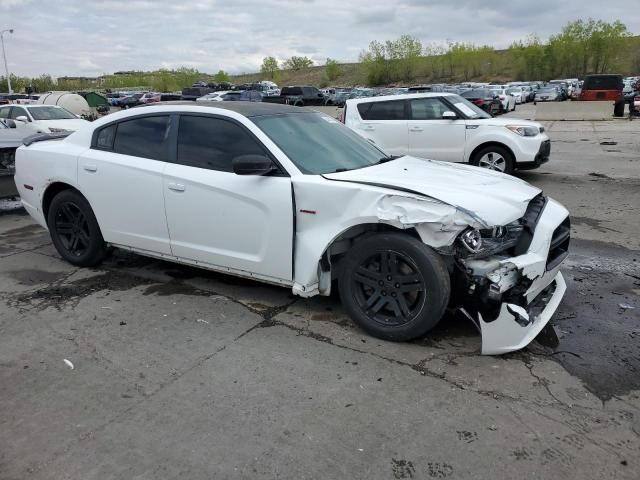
[291,91]
[392,110]
[603,82]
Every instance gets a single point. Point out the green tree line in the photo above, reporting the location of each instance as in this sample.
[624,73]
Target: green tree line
[581,47]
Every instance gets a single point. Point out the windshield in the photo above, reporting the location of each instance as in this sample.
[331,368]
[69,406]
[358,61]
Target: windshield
[50,113]
[317,143]
[467,108]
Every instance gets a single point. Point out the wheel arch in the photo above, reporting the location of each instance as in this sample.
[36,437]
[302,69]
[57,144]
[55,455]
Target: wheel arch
[492,143]
[340,244]
[53,189]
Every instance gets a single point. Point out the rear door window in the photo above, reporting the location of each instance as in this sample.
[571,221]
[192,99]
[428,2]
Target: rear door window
[144,137]
[391,110]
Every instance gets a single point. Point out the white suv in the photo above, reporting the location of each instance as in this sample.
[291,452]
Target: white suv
[445,126]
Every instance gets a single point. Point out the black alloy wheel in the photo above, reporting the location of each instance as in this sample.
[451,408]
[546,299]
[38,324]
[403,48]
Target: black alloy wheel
[72,229]
[389,287]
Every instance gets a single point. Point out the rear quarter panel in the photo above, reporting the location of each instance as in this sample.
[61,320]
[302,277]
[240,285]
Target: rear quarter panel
[41,164]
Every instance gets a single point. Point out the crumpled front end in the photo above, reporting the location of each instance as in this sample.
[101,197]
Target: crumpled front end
[512,295]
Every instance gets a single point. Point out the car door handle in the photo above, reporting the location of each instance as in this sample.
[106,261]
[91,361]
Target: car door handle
[416,129]
[369,127]
[90,168]
[176,187]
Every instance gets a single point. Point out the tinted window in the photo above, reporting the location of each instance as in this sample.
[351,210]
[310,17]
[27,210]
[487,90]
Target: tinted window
[213,143]
[4,112]
[105,137]
[393,110]
[602,82]
[143,137]
[427,109]
[18,112]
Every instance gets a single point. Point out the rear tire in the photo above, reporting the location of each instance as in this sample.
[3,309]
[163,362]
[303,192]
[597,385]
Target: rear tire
[494,157]
[394,286]
[74,230]
[618,109]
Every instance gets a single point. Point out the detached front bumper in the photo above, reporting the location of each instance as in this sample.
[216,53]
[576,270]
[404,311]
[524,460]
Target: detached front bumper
[511,299]
[517,326]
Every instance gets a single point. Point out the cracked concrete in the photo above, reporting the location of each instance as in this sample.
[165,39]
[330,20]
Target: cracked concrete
[182,373]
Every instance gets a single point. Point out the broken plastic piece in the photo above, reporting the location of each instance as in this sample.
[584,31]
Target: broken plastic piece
[514,329]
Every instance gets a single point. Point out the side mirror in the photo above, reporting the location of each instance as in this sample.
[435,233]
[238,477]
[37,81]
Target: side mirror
[252,165]
[449,115]
[10,123]
[22,118]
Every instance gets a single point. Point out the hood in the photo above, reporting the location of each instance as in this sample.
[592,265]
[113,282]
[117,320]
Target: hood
[12,137]
[72,124]
[494,197]
[502,122]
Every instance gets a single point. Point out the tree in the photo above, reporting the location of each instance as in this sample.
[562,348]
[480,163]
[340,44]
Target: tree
[404,56]
[332,69]
[375,64]
[297,63]
[221,76]
[270,67]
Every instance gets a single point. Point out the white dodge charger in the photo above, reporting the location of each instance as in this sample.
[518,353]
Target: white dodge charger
[292,197]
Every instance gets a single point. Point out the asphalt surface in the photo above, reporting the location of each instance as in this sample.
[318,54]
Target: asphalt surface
[183,373]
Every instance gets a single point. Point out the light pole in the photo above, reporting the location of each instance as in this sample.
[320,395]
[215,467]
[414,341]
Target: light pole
[4,55]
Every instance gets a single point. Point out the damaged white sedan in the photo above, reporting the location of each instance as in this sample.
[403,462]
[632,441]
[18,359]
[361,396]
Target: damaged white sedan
[292,197]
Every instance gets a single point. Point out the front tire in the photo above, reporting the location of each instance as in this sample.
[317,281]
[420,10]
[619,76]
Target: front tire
[494,157]
[74,230]
[394,286]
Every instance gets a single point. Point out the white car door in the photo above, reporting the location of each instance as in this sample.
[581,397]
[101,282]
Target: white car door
[385,123]
[121,176]
[431,136]
[219,218]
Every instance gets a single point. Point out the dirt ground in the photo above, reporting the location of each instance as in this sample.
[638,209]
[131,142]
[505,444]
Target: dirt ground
[183,373]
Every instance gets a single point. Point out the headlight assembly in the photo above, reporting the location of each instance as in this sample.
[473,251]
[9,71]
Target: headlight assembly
[474,243]
[524,130]
[471,239]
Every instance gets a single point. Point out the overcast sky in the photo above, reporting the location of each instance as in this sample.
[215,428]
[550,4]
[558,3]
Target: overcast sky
[91,37]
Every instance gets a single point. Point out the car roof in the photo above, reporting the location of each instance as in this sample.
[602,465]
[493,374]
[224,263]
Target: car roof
[409,96]
[247,109]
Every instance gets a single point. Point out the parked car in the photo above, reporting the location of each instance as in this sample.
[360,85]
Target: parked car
[518,93]
[12,134]
[563,88]
[507,101]
[298,96]
[445,126]
[213,96]
[487,100]
[149,97]
[46,118]
[130,100]
[306,201]
[604,87]
[548,94]
[243,96]
[196,91]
